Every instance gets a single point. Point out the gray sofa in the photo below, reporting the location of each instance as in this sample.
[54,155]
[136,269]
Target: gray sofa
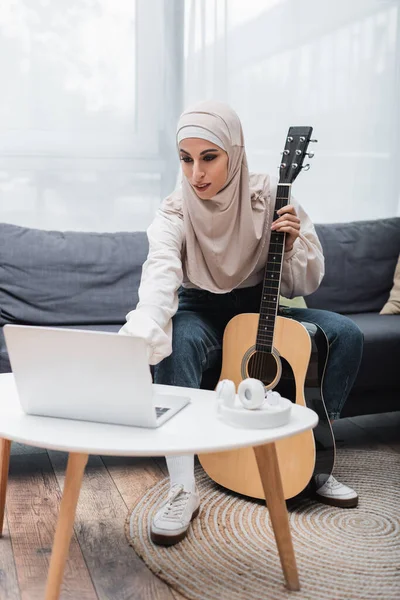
[360,259]
[90,280]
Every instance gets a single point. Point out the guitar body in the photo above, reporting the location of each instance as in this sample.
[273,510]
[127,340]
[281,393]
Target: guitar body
[237,469]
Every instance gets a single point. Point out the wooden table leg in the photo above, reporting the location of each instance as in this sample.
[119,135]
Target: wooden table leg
[5,447]
[65,524]
[268,467]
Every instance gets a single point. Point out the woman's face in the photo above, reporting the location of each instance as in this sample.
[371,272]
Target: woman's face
[205,166]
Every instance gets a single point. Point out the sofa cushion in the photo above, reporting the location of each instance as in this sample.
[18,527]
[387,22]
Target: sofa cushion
[392,306]
[53,277]
[360,259]
[381,355]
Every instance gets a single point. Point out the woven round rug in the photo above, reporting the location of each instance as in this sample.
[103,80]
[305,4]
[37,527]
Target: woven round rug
[230,551]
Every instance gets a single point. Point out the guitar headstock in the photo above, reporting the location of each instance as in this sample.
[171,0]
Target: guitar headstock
[297,141]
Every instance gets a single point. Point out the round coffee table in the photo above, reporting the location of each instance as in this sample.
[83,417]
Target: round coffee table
[195,429]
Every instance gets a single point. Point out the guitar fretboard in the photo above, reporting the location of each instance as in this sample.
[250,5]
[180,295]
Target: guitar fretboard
[272,278]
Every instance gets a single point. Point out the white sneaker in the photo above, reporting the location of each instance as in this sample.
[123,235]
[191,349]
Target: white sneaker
[334,493]
[171,522]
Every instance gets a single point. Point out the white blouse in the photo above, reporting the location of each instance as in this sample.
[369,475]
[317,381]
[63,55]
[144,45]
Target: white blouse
[163,273]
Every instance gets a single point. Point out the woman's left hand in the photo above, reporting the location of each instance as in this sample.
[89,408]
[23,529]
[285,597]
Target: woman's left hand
[289,223]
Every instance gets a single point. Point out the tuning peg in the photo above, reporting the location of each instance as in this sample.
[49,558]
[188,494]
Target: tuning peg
[314,141]
[310,154]
[306,167]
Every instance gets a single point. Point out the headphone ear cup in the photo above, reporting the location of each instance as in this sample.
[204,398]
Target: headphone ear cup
[251,393]
[273,398]
[226,392]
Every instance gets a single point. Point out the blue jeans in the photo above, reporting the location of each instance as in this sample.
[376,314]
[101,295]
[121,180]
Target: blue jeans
[198,328]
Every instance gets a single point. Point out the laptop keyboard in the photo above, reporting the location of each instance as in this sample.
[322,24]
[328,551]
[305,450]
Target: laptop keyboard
[160,410]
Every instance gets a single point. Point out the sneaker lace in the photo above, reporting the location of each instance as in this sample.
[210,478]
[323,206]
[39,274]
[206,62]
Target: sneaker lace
[332,483]
[176,503]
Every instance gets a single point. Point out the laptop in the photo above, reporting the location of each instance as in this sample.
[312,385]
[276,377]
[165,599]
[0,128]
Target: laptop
[86,375]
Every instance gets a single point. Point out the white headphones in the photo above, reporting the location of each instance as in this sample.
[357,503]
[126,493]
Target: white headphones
[251,393]
[257,408]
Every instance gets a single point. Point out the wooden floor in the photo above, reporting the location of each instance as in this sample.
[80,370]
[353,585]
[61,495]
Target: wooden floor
[101,564]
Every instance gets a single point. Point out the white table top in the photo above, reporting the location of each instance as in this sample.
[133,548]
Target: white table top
[195,429]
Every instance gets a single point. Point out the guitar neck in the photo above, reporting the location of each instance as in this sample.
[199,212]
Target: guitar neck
[272,278]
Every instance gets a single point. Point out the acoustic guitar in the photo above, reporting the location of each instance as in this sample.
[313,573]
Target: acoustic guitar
[285,355]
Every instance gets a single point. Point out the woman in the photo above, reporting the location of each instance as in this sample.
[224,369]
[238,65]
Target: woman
[208,247]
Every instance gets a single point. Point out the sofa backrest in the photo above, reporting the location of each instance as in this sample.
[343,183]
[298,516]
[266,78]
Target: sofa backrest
[68,278]
[79,278]
[360,259]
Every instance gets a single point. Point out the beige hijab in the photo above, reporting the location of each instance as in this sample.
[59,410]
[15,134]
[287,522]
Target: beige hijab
[228,235]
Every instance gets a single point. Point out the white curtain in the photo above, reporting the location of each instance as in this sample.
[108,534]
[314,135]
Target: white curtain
[334,65]
[89,90]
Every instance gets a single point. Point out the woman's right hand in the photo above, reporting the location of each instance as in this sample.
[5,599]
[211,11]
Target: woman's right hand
[159,343]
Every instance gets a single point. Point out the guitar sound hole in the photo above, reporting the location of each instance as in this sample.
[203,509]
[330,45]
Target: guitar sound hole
[263,366]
